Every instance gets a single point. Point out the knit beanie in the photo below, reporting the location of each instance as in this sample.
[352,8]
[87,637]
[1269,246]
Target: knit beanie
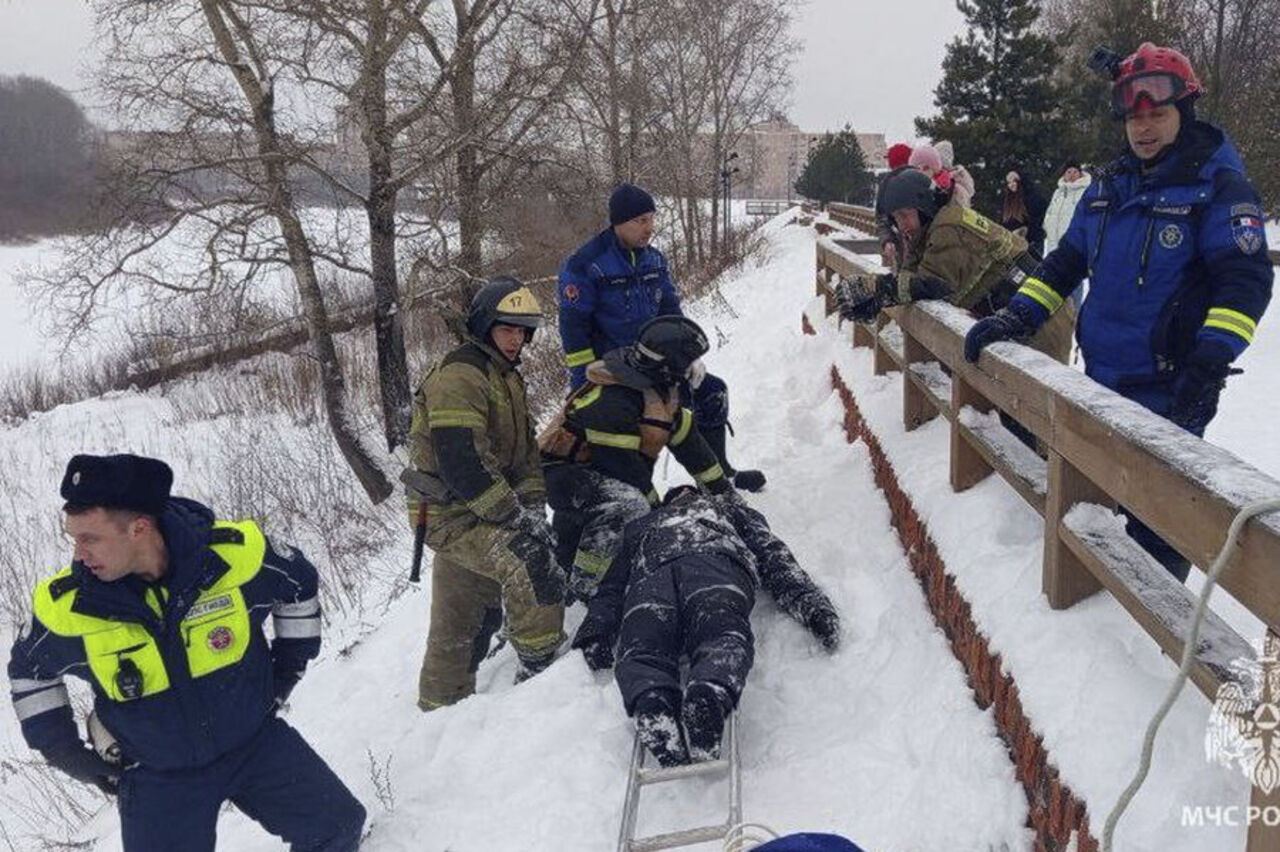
[898,155]
[946,152]
[925,156]
[627,202]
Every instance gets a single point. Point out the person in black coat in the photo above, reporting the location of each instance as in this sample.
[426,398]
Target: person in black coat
[1024,208]
[684,582]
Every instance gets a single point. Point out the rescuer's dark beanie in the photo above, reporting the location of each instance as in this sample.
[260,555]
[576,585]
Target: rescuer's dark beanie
[627,202]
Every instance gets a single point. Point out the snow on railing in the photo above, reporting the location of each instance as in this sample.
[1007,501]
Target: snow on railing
[1095,450]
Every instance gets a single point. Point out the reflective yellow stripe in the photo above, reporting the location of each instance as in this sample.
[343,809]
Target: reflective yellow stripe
[580,358]
[592,564]
[686,426]
[653,497]
[710,474]
[587,398]
[612,439]
[440,418]
[1232,321]
[1034,288]
[492,495]
[537,644]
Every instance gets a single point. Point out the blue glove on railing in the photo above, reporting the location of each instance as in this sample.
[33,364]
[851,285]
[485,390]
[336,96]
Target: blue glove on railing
[1016,321]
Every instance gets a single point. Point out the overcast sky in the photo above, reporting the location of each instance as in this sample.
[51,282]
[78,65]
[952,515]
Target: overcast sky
[870,63]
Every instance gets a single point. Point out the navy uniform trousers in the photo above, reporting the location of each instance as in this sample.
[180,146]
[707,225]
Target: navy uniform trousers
[275,779]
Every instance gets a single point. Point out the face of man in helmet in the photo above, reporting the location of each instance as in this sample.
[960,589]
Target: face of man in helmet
[508,339]
[636,233]
[908,221]
[1152,129]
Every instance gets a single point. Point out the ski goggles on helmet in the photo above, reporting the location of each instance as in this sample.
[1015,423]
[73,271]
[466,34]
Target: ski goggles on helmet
[1153,90]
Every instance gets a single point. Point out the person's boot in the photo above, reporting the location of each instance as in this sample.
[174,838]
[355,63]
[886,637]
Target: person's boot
[703,713]
[530,666]
[716,438]
[658,724]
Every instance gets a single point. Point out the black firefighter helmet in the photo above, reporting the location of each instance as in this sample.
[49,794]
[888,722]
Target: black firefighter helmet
[666,348]
[910,189]
[502,300]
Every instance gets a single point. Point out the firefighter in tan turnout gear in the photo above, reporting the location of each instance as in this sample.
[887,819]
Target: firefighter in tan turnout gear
[476,468]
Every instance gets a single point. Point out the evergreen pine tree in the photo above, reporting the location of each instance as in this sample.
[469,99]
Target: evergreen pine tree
[998,102]
[836,171]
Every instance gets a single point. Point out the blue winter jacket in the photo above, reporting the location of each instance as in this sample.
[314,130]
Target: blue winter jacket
[1173,257]
[606,293]
[199,715]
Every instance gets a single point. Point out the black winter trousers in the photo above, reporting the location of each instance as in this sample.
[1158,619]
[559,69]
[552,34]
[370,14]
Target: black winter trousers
[697,606]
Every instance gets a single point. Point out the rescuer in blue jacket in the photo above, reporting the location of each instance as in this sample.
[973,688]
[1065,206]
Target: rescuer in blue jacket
[1171,239]
[613,285]
[162,612]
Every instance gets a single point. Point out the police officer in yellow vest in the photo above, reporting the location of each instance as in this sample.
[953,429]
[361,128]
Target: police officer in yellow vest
[476,465]
[161,611]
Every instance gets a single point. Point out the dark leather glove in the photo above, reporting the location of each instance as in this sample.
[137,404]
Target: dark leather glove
[749,480]
[824,624]
[532,521]
[857,304]
[84,764]
[1014,322]
[1199,384]
[597,651]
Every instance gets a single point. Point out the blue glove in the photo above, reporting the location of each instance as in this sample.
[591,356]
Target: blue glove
[1199,384]
[1016,321]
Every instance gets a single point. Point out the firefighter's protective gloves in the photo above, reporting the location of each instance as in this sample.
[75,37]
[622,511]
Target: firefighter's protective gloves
[597,651]
[84,764]
[1013,322]
[1199,384]
[858,304]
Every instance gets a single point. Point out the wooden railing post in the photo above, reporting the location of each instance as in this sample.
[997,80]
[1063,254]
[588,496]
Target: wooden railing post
[1066,580]
[882,362]
[968,467]
[916,407]
[863,335]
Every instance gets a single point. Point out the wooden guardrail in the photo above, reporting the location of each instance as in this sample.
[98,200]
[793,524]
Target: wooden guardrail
[854,216]
[1100,451]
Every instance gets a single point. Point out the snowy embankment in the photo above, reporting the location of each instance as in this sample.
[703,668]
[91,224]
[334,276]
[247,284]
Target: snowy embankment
[881,742]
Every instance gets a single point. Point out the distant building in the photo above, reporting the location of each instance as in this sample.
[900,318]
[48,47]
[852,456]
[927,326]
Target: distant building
[772,154]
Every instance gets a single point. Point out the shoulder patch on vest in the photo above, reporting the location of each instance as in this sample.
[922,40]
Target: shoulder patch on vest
[976,221]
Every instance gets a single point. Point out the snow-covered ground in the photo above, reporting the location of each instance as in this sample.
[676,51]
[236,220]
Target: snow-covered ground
[882,741]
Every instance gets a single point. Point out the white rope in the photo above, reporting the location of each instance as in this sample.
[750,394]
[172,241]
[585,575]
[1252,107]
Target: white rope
[1188,656]
[737,838]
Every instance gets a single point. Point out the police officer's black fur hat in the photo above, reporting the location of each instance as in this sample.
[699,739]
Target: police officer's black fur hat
[122,481]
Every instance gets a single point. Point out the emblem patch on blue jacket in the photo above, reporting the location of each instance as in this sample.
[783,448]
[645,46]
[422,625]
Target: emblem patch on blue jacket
[1171,236]
[1247,232]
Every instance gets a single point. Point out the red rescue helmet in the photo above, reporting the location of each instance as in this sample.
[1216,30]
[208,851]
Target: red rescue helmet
[1156,75]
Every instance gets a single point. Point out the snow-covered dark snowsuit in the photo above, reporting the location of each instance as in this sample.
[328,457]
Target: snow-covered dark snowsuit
[684,582]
